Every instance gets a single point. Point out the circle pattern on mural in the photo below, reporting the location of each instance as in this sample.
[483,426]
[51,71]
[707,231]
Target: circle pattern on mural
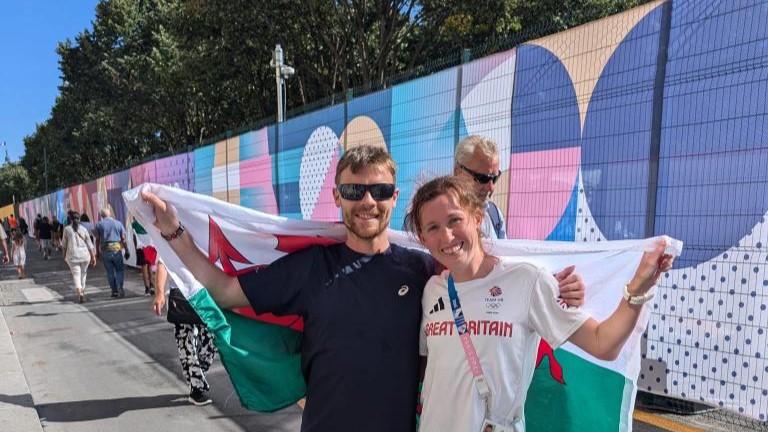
[315,163]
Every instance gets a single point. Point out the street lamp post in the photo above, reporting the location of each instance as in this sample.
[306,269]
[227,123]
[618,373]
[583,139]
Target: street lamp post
[282,72]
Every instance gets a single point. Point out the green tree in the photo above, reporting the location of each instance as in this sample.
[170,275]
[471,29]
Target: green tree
[14,183]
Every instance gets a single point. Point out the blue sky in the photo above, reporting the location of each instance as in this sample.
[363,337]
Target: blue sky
[29,65]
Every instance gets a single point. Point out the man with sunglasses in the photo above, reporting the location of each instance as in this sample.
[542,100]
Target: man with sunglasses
[360,300]
[478,158]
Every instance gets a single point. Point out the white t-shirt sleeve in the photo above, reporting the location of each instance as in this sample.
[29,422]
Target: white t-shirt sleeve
[424,305]
[548,316]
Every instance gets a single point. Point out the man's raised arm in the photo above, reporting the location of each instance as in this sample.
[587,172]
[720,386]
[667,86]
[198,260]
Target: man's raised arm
[224,289]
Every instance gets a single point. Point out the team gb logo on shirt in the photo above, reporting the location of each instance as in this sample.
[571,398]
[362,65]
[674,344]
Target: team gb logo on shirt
[493,303]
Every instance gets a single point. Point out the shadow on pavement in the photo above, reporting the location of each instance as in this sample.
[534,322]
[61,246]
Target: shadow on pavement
[22,400]
[76,411]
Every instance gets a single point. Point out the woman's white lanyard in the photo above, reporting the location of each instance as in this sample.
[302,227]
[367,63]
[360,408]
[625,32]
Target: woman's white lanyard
[469,349]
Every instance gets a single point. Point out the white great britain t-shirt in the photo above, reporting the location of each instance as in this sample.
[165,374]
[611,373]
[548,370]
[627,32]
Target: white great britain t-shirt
[507,312]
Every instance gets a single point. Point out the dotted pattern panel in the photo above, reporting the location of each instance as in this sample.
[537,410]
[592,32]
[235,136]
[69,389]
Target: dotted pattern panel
[586,227]
[316,161]
[706,338]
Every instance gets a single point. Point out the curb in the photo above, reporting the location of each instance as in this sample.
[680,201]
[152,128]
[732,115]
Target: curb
[17,408]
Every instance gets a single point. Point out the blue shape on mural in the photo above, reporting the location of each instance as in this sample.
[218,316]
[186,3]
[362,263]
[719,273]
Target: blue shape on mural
[422,138]
[616,140]
[616,136]
[545,110]
[565,230]
[713,172]
[203,169]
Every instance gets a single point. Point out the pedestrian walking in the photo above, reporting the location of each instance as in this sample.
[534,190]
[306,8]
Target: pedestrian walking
[45,234]
[13,223]
[78,253]
[85,222]
[146,256]
[194,341]
[36,228]
[110,242]
[57,231]
[19,253]
[4,246]
[23,226]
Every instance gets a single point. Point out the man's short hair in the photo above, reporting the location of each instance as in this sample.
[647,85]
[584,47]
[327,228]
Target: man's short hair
[364,156]
[105,212]
[469,145]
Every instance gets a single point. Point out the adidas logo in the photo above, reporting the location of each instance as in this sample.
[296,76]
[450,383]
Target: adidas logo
[440,305]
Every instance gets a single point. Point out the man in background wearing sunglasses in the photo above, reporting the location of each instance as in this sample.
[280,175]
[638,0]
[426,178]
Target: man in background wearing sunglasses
[478,158]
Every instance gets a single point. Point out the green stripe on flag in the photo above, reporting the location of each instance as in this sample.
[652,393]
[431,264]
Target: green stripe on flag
[263,360]
[594,398]
[138,227]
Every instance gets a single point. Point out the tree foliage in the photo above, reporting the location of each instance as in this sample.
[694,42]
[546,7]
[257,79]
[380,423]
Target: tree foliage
[14,183]
[157,76]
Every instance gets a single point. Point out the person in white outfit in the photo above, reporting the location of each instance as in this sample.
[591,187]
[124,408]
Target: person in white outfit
[478,368]
[19,253]
[78,253]
[4,247]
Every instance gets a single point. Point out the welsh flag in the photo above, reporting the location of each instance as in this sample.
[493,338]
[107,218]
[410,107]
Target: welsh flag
[262,352]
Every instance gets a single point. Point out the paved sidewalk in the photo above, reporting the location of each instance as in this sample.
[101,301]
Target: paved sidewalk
[16,405]
[108,364]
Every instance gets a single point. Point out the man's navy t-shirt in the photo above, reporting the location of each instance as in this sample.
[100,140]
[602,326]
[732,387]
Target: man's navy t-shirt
[361,313]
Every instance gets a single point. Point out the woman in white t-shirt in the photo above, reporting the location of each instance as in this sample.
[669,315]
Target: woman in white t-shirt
[78,253]
[485,296]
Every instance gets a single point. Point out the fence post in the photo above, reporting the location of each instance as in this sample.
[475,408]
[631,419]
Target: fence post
[656,119]
[350,95]
[226,162]
[276,164]
[189,162]
[465,58]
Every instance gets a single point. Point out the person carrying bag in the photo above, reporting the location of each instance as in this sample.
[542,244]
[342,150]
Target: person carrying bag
[194,341]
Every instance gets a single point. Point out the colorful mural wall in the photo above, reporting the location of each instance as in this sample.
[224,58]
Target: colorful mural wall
[648,122]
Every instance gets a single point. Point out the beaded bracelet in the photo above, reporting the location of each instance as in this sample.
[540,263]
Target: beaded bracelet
[175,235]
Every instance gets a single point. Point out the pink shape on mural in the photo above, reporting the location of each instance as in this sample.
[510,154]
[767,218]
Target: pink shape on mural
[540,186]
[325,208]
[143,173]
[256,174]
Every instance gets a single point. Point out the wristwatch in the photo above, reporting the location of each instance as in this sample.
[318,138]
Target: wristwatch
[636,299]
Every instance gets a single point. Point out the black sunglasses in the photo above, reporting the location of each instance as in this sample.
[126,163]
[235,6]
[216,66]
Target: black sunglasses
[482,178]
[356,192]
